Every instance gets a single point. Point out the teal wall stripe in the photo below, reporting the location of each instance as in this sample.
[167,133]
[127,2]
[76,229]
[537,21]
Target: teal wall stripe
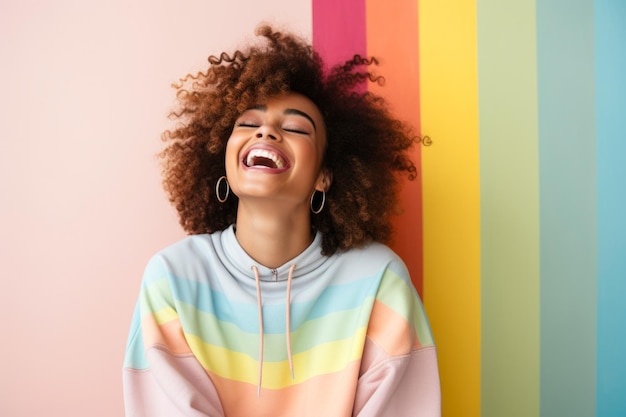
[610,70]
[509,183]
[567,163]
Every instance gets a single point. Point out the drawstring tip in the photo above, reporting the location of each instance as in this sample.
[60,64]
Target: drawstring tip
[258,392]
[291,367]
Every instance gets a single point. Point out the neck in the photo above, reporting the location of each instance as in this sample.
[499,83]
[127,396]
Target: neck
[270,236]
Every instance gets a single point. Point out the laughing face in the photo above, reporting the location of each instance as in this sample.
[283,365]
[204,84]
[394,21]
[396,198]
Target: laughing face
[275,151]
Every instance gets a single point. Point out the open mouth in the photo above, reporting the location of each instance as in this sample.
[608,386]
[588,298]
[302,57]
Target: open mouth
[264,158]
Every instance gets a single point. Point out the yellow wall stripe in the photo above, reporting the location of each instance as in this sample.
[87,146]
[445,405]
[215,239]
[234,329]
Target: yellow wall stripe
[451,199]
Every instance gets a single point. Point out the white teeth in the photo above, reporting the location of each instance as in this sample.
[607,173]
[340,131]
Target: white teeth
[263,153]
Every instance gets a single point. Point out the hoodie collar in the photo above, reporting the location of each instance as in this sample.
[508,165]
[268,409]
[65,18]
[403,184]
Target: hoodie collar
[309,260]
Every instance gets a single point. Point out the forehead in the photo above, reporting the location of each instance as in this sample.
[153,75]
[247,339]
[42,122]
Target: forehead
[295,101]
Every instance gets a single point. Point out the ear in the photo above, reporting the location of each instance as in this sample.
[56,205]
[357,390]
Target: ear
[324,180]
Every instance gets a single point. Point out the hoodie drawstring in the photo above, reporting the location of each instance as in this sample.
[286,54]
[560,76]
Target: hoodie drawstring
[260,308]
[287,324]
[288,320]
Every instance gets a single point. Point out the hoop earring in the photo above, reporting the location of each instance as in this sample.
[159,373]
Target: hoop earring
[321,207]
[217,189]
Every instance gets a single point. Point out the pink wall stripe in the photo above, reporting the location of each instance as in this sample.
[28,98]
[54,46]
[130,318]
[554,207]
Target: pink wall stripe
[339,29]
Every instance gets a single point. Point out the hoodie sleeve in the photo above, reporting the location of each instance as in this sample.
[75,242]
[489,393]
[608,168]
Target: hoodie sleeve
[399,374]
[161,376]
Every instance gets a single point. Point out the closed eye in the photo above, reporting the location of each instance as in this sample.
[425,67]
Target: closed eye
[246,124]
[298,131]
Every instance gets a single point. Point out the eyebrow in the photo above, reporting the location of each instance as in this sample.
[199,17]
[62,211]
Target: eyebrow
[290,111]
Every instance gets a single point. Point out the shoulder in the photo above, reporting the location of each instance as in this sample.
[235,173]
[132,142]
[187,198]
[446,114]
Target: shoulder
[181,257]
[185,248]
[189,246]
[374,257]
[375,251]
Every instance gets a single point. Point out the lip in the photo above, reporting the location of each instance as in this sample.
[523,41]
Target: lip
[264,168]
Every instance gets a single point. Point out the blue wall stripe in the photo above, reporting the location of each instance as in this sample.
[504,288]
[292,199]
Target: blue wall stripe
[567,164]
[610,49]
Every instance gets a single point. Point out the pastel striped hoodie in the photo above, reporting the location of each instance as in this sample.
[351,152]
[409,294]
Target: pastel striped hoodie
[216,334]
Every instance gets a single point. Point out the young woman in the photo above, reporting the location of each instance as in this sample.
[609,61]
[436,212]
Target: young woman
[284,299]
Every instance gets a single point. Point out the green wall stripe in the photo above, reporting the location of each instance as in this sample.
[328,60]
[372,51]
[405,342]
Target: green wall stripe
[509,184]
[567,207]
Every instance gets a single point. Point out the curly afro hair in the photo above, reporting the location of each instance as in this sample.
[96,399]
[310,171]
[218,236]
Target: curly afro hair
[366,151]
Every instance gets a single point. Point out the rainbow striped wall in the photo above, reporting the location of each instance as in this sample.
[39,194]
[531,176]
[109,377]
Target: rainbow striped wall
[515,233]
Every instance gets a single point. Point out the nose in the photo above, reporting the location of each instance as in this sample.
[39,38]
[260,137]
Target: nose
[267,131]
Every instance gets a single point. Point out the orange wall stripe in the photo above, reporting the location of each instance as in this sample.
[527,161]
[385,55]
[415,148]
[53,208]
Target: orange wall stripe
[392,36]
